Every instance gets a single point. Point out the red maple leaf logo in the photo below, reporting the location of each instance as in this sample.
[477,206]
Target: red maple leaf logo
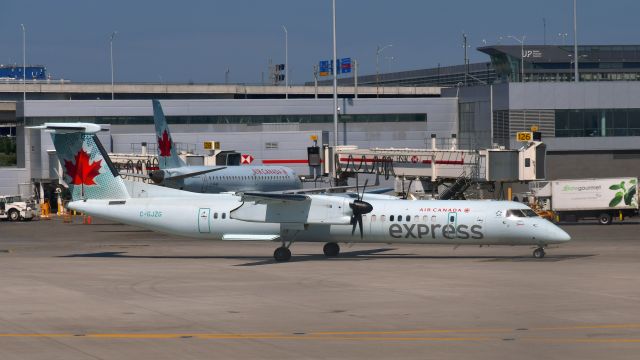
[164,144]
[82,173]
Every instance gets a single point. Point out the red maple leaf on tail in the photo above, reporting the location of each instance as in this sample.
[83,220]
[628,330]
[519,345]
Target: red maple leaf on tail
[164,144]
[82,173]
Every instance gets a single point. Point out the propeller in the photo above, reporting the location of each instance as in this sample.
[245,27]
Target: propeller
[359,208]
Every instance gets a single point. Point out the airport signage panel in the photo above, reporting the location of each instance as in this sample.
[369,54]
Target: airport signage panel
[325,67]
[524,136]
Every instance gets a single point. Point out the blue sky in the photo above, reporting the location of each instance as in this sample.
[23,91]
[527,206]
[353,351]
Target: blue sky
[197,40]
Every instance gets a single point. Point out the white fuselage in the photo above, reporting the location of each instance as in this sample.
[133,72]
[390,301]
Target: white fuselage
[391,221]
[235,178]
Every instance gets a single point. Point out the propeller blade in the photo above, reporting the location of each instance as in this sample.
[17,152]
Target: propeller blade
[360,224]
[357,189]
[353,222]
[363,189]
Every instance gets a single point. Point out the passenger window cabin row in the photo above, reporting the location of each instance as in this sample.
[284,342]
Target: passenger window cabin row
[248,177]
[222,215]
[402,218]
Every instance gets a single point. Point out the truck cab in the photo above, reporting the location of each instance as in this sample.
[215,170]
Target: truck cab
[13,208]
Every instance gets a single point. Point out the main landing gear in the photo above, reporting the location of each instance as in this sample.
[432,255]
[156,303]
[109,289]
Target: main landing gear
[331,249]
[538,253]
[282,254]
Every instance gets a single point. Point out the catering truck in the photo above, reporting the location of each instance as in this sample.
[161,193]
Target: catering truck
[601,199]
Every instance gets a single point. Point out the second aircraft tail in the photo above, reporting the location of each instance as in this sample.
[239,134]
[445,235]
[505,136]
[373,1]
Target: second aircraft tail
[167,153]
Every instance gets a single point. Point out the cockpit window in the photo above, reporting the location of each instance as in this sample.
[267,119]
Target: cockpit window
[521,213]
[515,213]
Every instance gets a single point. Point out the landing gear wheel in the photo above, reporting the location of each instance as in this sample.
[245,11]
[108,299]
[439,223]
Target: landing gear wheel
[538,253]
[282,254]
[605,219]
[331,249]
[14,215]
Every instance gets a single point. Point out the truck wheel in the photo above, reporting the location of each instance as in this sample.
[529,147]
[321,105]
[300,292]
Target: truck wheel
[14,215]
[604,219]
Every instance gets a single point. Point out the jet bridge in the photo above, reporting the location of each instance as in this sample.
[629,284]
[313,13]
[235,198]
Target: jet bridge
[444,173]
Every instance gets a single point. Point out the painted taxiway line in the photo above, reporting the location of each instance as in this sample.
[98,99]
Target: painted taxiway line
[491,334]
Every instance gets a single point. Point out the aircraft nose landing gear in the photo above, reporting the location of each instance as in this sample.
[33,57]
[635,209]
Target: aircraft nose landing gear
[331,249]
[538,253]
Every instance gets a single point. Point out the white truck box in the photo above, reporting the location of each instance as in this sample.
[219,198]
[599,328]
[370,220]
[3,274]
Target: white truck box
[594,194]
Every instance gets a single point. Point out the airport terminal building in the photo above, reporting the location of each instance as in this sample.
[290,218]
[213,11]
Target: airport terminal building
[592,127]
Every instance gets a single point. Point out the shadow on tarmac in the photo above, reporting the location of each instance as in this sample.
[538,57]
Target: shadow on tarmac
[596,223]
[361,255]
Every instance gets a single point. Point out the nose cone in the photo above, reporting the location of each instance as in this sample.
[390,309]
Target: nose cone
[557,235]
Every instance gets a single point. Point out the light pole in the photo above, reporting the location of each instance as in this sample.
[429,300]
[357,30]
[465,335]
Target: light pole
[379,51]
[521,41]
[24,67]
[113,35]
[389,60]
[575,41]
[572,61]
[286,62]
[335,78]
[564,37]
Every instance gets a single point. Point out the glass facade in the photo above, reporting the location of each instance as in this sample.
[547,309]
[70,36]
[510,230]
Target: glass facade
[555,63]
[597,122]
[234,119]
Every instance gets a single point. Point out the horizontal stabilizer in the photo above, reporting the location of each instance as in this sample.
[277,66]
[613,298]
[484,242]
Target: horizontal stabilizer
[63,128]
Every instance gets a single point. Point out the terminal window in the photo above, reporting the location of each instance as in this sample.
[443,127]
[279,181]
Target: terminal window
[597,122]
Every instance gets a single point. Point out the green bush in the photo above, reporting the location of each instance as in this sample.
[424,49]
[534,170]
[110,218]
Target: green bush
[7,151]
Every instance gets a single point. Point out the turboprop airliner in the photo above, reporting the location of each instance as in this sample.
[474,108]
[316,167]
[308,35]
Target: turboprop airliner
[173,172]
[98,190]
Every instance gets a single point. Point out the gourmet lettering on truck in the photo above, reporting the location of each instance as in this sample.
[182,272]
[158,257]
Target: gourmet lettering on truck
[604,199]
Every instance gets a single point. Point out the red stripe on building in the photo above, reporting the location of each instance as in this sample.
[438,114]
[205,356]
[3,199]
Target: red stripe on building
[445,162]
[359,160]
[284,161]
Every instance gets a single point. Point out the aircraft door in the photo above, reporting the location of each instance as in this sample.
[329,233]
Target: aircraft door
[452,221]
[204,226]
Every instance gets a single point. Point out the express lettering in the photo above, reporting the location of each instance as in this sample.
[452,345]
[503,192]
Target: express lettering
[449,231]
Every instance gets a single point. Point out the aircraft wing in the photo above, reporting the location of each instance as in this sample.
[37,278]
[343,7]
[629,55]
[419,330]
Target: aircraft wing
[338,188]
[172,175]
[293,209]
[264,198]
[141,176]
[183,175]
